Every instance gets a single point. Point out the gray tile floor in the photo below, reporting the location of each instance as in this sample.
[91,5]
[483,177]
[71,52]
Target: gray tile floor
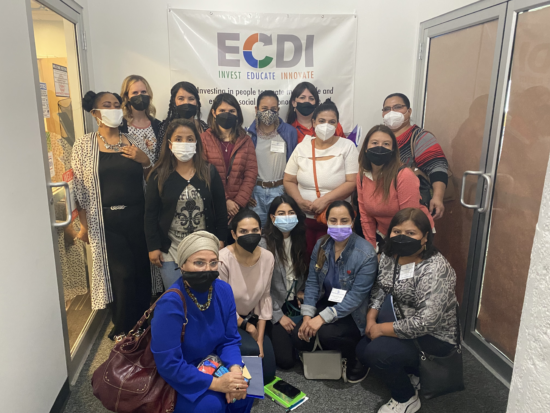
[483,394]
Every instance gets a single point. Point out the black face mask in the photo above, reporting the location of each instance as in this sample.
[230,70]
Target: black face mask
[379,155]
[404,246]
[305,108]
[185,111]
[200,281]
[226,120]
[249,241]
[140,102]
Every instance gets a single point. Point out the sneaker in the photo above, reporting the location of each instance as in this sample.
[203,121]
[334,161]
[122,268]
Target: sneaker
[410,406]
[415,381]
[355,373]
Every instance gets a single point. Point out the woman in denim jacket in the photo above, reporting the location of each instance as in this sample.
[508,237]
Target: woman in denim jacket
[342,272]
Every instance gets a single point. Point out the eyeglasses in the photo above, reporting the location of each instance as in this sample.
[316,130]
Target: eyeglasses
[395,108]
[202,264]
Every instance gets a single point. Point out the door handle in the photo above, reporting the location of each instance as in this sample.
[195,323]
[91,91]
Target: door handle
[68,203]
[489,182]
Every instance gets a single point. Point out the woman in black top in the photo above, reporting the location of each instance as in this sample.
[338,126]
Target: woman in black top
[184,194]
[108,180]
[185,103]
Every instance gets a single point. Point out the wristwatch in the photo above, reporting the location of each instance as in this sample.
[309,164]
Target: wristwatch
[246,320]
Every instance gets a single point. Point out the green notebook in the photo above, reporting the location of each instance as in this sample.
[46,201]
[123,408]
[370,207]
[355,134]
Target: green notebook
[279,397]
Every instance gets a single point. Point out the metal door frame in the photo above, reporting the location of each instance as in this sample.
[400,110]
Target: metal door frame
[73,12]
[475,14]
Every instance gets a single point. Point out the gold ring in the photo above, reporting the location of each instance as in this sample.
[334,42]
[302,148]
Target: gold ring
[237,388]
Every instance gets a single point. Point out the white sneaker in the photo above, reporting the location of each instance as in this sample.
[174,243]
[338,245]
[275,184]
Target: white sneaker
[410,406]
[415,381]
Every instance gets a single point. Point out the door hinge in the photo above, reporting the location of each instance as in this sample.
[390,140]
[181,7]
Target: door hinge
[84,42]
[420,51]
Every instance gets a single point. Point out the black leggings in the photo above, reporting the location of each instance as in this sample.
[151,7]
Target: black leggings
[129,266]
[249,347]
[342,335]
[282,341]
[282,345]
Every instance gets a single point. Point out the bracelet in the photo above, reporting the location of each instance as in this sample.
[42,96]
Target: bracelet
[244,323]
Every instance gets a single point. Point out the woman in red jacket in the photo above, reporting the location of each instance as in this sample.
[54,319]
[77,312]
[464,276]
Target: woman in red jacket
[303,101]
[231,151]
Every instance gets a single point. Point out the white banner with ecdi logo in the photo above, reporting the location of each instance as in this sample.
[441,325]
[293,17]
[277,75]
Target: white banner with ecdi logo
[247,53]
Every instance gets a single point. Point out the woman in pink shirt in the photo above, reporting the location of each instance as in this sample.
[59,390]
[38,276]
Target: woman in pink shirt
[248,269]
[384,187]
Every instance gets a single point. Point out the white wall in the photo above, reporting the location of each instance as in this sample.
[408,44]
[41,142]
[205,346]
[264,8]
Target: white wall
[32,353]
[531,378]
[131,36]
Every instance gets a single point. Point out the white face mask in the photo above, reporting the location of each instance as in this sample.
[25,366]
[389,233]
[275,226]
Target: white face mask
[111,118]
[184,151]
[325,131]
[394,120]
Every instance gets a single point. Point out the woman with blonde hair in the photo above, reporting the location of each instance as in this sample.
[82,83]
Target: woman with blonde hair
[139,113]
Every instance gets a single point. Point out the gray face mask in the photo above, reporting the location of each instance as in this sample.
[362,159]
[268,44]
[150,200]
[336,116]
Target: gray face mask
[267,117]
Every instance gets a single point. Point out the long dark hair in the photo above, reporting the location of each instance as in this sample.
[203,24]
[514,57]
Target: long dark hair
[298,90]
[230,100]
[189,88]
[320,256]
[420,221]
[275,240]
[389,171]
[167,162]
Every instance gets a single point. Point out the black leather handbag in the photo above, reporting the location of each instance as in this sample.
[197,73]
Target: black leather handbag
[438,375]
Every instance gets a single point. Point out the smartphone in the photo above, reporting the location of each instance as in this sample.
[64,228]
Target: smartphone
[287,389]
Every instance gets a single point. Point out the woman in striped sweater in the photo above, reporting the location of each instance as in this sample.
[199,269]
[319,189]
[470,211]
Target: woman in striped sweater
[428,155]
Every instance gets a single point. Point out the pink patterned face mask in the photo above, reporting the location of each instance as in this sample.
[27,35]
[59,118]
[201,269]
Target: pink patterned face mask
[339,232]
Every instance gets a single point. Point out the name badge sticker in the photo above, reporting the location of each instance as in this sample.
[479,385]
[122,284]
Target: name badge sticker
[337,295]
[407,271]
[277,147]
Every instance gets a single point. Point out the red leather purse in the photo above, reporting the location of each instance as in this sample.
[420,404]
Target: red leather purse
[128,382]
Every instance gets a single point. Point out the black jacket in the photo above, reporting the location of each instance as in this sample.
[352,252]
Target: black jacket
[160,209]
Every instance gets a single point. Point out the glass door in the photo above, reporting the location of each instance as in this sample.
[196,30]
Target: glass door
[484,91]
[458,81]
[518,160]
[58,66]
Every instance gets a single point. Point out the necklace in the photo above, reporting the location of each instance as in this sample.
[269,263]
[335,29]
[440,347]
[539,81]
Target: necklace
[116,147]
[202,307]
[225,146]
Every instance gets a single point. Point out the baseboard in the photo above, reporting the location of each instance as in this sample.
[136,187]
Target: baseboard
[62,398]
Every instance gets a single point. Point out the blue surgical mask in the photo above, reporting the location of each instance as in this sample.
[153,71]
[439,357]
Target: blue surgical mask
[286,223]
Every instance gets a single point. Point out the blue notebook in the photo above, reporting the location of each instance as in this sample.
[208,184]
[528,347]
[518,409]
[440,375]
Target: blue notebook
[256,385]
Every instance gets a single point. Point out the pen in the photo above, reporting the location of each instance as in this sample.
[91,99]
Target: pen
[295,405]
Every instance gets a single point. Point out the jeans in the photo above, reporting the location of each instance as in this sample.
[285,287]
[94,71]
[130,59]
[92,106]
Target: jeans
[170,273]
[249,347]
[395,357]
[264,197]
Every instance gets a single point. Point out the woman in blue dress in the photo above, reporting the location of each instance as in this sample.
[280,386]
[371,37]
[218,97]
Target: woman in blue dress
[211,329]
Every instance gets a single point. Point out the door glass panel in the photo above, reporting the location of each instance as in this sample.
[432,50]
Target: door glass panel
[524,152]
[58,69]
[457,89]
